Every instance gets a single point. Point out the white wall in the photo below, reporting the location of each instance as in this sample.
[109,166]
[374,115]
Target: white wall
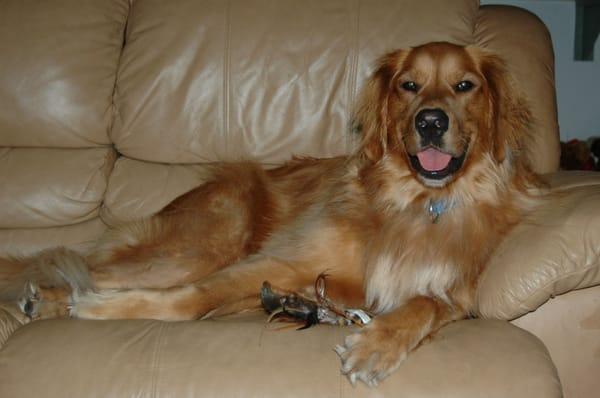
[577,82]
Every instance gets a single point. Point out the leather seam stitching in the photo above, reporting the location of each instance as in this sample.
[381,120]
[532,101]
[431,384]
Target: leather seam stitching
[352,77]
[226,77]
[114,99]
[552,281]
[521,300]
[156,360]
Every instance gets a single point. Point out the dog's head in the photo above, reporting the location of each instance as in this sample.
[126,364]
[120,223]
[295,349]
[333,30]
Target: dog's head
[440,108]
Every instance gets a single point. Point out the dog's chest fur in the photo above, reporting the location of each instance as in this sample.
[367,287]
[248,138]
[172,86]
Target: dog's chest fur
[410,256]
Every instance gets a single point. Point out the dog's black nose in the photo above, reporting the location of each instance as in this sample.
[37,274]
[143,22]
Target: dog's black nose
[431,124]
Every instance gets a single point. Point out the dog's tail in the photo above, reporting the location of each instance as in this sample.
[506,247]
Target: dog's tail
[59,267]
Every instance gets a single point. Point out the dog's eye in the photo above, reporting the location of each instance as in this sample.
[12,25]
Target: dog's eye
[410,86]
[464,86]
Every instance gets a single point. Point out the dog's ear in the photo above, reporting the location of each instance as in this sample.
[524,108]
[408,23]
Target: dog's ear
[510,118]
[371,117]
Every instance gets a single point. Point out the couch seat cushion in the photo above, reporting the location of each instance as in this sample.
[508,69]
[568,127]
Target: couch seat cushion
[245,357]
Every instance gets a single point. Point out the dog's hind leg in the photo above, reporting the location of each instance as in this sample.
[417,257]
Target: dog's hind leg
[239,283]
[172,304]
[232,289]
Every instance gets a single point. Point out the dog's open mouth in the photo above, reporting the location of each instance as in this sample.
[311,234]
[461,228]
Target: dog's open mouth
[434,164]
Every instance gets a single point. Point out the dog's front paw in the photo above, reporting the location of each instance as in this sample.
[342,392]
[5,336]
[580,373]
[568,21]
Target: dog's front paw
[373,353]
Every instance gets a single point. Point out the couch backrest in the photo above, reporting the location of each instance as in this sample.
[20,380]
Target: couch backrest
[215,80]
[191,81]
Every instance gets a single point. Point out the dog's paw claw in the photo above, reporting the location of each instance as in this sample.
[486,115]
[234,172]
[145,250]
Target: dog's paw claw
[369,356]
[29,301]
[28,308]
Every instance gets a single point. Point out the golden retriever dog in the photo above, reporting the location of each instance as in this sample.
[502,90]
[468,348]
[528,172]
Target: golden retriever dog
[404,226]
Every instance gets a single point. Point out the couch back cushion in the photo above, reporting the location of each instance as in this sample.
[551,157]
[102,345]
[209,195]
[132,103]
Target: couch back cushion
[57,77]
[256,79]
[58,70]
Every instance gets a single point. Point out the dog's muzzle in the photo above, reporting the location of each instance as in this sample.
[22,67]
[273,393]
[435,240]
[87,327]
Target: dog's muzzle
[432,162]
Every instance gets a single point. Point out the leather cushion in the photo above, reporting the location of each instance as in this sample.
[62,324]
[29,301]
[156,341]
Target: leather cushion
[211,80]
[569,326]
[242,358]
[27,241]
[52,187]
[554,252]
[139,189]
[58,70]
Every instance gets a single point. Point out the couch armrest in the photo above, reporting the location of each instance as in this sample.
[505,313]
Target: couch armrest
[10,320]
[524,42]
[555,251]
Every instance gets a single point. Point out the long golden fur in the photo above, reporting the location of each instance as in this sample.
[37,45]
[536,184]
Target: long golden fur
[365,219]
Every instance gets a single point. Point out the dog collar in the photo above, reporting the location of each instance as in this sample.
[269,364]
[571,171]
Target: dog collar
[436,208]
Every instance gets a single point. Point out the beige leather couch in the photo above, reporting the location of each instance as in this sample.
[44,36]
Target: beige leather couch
[107,111]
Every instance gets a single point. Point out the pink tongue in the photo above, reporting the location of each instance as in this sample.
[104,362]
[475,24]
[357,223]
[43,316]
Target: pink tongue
[433,160]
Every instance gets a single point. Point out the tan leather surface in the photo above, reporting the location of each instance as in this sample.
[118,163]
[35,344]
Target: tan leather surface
[241,358]
[555,252]
[569,325]
[523,41]
[10,320]
[59,62]
[572,179]
[252,79]
[52,187]
[26,241]
[139,189]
